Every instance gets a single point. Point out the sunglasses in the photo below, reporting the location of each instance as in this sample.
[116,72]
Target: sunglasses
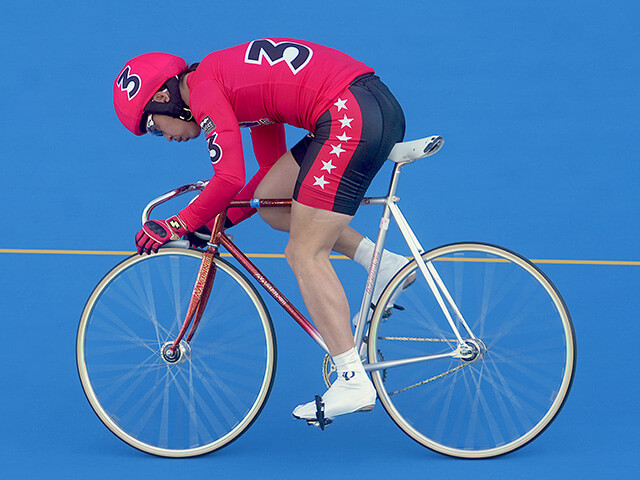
[152,128]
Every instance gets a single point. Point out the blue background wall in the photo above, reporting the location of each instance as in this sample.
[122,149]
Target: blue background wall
[539,107]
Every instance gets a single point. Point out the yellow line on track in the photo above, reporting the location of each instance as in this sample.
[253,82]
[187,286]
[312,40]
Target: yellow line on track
[280,255]
[590,262]
[65,252]
[122,252]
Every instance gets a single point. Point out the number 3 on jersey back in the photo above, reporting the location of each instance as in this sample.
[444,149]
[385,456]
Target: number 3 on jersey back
[296,56]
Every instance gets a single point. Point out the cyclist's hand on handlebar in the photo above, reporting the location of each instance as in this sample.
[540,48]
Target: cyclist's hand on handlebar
[156,232]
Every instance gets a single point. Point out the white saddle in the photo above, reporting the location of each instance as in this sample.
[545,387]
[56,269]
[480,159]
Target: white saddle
[407,152]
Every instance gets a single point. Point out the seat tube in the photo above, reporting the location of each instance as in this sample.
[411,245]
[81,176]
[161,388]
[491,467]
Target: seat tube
[377,256]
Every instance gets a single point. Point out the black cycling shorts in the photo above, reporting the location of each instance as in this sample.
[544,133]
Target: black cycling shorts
[350,143]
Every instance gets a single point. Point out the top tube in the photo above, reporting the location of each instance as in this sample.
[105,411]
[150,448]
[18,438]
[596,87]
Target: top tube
[252,203]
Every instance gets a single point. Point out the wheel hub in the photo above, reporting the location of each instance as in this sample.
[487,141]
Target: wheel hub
[179,355]
[472,349]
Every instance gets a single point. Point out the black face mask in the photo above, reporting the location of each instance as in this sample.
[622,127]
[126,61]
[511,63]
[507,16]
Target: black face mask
[175,107]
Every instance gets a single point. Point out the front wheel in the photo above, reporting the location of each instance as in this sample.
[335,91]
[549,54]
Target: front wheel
[504,383]
[206,394]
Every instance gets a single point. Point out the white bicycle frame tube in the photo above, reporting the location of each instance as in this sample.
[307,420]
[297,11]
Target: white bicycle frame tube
[428,270]
[431,274]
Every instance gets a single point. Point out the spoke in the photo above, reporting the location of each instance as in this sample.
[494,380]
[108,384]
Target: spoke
[178,284]
[142,420]
[529,373]
[150,303]
[114,348]
[420,316]
[502,388]
[193,423]
[149,364]
[125,293]
[138,289]
[113,368]
[117,326]
[488,413]
[507,419]
[225,397]
[444,407]
[225,334]
[506,406]
[206,411]
[163,434]
[139,373]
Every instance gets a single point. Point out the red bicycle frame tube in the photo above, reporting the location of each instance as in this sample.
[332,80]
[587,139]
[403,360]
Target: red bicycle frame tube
[206,276]
[203,284]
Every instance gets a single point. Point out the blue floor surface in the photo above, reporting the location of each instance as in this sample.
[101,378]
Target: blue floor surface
[538,104]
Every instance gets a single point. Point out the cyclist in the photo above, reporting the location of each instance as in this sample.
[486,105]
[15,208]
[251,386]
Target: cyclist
[353,120]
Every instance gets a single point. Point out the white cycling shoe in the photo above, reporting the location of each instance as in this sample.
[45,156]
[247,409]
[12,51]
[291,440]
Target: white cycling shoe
[351,392]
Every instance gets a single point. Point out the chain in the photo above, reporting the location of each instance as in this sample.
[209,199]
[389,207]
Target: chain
[430,379]
[418,339]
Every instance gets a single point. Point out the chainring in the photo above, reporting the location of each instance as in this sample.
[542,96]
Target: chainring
[328,369]
[329,372]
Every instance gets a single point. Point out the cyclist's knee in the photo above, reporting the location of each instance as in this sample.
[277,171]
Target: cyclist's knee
[301,255]
[293,255]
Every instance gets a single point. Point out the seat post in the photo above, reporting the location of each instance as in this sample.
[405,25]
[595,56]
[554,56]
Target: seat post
[395,177]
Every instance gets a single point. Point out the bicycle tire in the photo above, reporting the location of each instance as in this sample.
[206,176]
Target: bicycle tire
[213,394]
[507,395]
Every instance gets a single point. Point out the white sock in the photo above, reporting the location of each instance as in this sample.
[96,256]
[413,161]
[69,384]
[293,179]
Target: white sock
[389,265]
[364,253]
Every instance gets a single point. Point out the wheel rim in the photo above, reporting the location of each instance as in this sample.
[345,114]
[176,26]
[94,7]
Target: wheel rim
[509,393]
[194,405]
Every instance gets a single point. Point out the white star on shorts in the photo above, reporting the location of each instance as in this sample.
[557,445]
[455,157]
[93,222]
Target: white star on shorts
[343,137]
[320,181]
[337,149]
[341,104]
[346,122]
[328,166]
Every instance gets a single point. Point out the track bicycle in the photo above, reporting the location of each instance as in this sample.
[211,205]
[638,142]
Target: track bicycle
[176,351]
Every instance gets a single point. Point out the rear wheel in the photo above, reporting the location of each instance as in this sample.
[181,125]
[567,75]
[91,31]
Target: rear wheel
[502,388]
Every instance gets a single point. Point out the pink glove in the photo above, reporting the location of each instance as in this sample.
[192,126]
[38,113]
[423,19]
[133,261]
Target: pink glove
[156,232]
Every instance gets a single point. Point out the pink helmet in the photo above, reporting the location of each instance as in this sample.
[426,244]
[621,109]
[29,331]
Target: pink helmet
[138,81]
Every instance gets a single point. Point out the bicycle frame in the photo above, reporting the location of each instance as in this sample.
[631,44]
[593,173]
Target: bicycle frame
[218,238]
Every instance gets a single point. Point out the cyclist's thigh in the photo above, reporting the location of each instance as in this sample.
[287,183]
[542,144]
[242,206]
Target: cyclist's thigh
[280,180]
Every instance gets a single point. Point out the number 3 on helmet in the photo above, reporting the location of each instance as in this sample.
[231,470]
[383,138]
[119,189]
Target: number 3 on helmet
[139,80]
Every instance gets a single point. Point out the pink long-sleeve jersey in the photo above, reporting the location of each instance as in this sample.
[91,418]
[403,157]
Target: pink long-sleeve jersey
[263,85]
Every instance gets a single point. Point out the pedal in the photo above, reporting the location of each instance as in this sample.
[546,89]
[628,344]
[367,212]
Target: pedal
[316,423]
[407,283]
[321,421]
[389,311]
